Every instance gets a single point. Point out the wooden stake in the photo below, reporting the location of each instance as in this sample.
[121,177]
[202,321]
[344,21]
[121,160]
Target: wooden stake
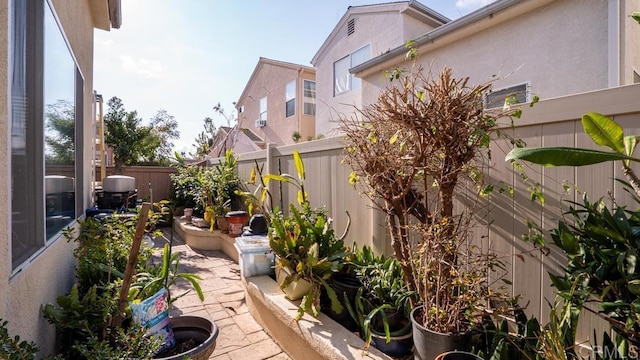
[131,263]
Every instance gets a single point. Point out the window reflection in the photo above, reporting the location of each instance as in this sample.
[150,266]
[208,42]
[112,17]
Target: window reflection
[59,127]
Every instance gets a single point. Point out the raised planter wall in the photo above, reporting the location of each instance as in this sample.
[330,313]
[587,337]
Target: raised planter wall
[308,338]
[203,239]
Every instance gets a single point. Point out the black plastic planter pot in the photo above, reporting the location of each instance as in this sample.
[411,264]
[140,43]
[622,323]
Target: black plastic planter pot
[344,284]
[458,355]
[201,331]
[400,344]
[429,344]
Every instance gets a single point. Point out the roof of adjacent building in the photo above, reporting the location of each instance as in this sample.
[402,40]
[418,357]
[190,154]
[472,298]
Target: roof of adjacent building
[261,62]
[412,8]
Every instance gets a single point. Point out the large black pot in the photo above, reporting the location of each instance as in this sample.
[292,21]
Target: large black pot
[345,285]
[201,330]
[401,340]
[429,344]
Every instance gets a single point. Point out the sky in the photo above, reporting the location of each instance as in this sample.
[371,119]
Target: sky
[185,56]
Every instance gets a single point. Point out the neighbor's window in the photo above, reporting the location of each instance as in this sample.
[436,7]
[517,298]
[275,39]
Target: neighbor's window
[514,94]
[344,81]
[46,103]
[309,97]
[263,108]
[290,99]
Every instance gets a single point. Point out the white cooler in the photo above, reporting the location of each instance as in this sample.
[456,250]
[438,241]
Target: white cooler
[254,255]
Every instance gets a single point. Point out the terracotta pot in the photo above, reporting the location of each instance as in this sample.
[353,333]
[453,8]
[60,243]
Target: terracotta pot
[222,224]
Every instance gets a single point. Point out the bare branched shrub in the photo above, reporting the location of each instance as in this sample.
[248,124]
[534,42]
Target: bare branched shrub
[411,148]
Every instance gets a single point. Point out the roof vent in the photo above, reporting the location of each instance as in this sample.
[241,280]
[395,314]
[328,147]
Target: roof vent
[351,27]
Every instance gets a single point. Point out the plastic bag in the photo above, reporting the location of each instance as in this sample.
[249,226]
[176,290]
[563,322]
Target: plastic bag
[153,314]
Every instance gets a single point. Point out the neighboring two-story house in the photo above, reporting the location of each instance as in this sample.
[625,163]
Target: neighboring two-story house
[279,102]
[549,48]
[363,32]
[47,61]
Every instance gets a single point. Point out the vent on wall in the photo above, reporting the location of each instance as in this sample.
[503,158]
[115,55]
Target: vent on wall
[351,27]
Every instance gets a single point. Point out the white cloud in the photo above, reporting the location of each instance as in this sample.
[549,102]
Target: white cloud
[472,4]
[144,67]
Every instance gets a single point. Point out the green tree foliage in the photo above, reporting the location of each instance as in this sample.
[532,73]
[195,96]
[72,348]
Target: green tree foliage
[134,143]
[165,129]
[60,133]
[204,140]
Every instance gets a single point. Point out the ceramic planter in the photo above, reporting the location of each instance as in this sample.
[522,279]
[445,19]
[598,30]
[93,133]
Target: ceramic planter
[429,344]
[185,328]
[296,289]
[222,224]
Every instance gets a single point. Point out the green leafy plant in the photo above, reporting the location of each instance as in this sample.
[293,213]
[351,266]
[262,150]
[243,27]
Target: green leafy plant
[304,243]
[125,344]
[602,249]
[12,348]
[166,274]
[383,292]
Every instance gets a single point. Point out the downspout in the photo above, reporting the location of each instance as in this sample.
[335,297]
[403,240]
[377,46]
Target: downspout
[613,41]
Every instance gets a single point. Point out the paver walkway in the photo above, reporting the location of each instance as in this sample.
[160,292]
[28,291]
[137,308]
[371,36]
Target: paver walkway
[240,336]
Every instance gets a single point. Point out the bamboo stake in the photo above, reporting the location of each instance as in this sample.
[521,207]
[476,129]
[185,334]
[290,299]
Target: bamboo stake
[133,255]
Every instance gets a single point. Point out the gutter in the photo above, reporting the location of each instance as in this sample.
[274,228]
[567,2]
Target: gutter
[439,32]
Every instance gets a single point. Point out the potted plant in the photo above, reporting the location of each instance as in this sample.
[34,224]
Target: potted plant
[306,249]
[383,303]
[411,149]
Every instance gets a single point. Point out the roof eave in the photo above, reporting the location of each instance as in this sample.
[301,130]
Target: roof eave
[446,29]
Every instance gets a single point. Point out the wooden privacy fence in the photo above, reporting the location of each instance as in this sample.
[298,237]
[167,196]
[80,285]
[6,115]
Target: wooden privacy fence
[503,221]
[153,182]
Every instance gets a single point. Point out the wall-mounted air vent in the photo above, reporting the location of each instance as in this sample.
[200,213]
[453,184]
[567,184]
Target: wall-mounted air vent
[351,26]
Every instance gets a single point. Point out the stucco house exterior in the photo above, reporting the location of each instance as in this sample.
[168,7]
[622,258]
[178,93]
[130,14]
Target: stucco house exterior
[363,32]
[46,54]
[549,48]
[279,100]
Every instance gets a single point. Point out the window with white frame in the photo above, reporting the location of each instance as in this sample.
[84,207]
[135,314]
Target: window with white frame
[46,106]
[263,108]
[517,94]
[290,98]
[344,81]
[309,97]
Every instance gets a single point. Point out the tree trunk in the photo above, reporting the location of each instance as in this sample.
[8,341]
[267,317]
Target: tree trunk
[400,244]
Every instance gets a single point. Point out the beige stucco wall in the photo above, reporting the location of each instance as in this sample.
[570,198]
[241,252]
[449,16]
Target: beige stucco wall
[270,80]
[383,31]
[50,273]
[558,49]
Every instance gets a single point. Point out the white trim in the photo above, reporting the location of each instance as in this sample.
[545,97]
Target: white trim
[613,41]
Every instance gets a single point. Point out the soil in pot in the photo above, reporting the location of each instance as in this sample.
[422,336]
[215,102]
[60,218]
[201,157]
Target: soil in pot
[429,344]
[195,338]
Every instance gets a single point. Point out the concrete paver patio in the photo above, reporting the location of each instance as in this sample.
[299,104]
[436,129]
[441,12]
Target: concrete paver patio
[240,336]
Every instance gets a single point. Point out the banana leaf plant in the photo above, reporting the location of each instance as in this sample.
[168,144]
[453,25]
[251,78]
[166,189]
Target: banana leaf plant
[604,131]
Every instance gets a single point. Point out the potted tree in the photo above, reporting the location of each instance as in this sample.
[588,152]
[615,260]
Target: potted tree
[412,148]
